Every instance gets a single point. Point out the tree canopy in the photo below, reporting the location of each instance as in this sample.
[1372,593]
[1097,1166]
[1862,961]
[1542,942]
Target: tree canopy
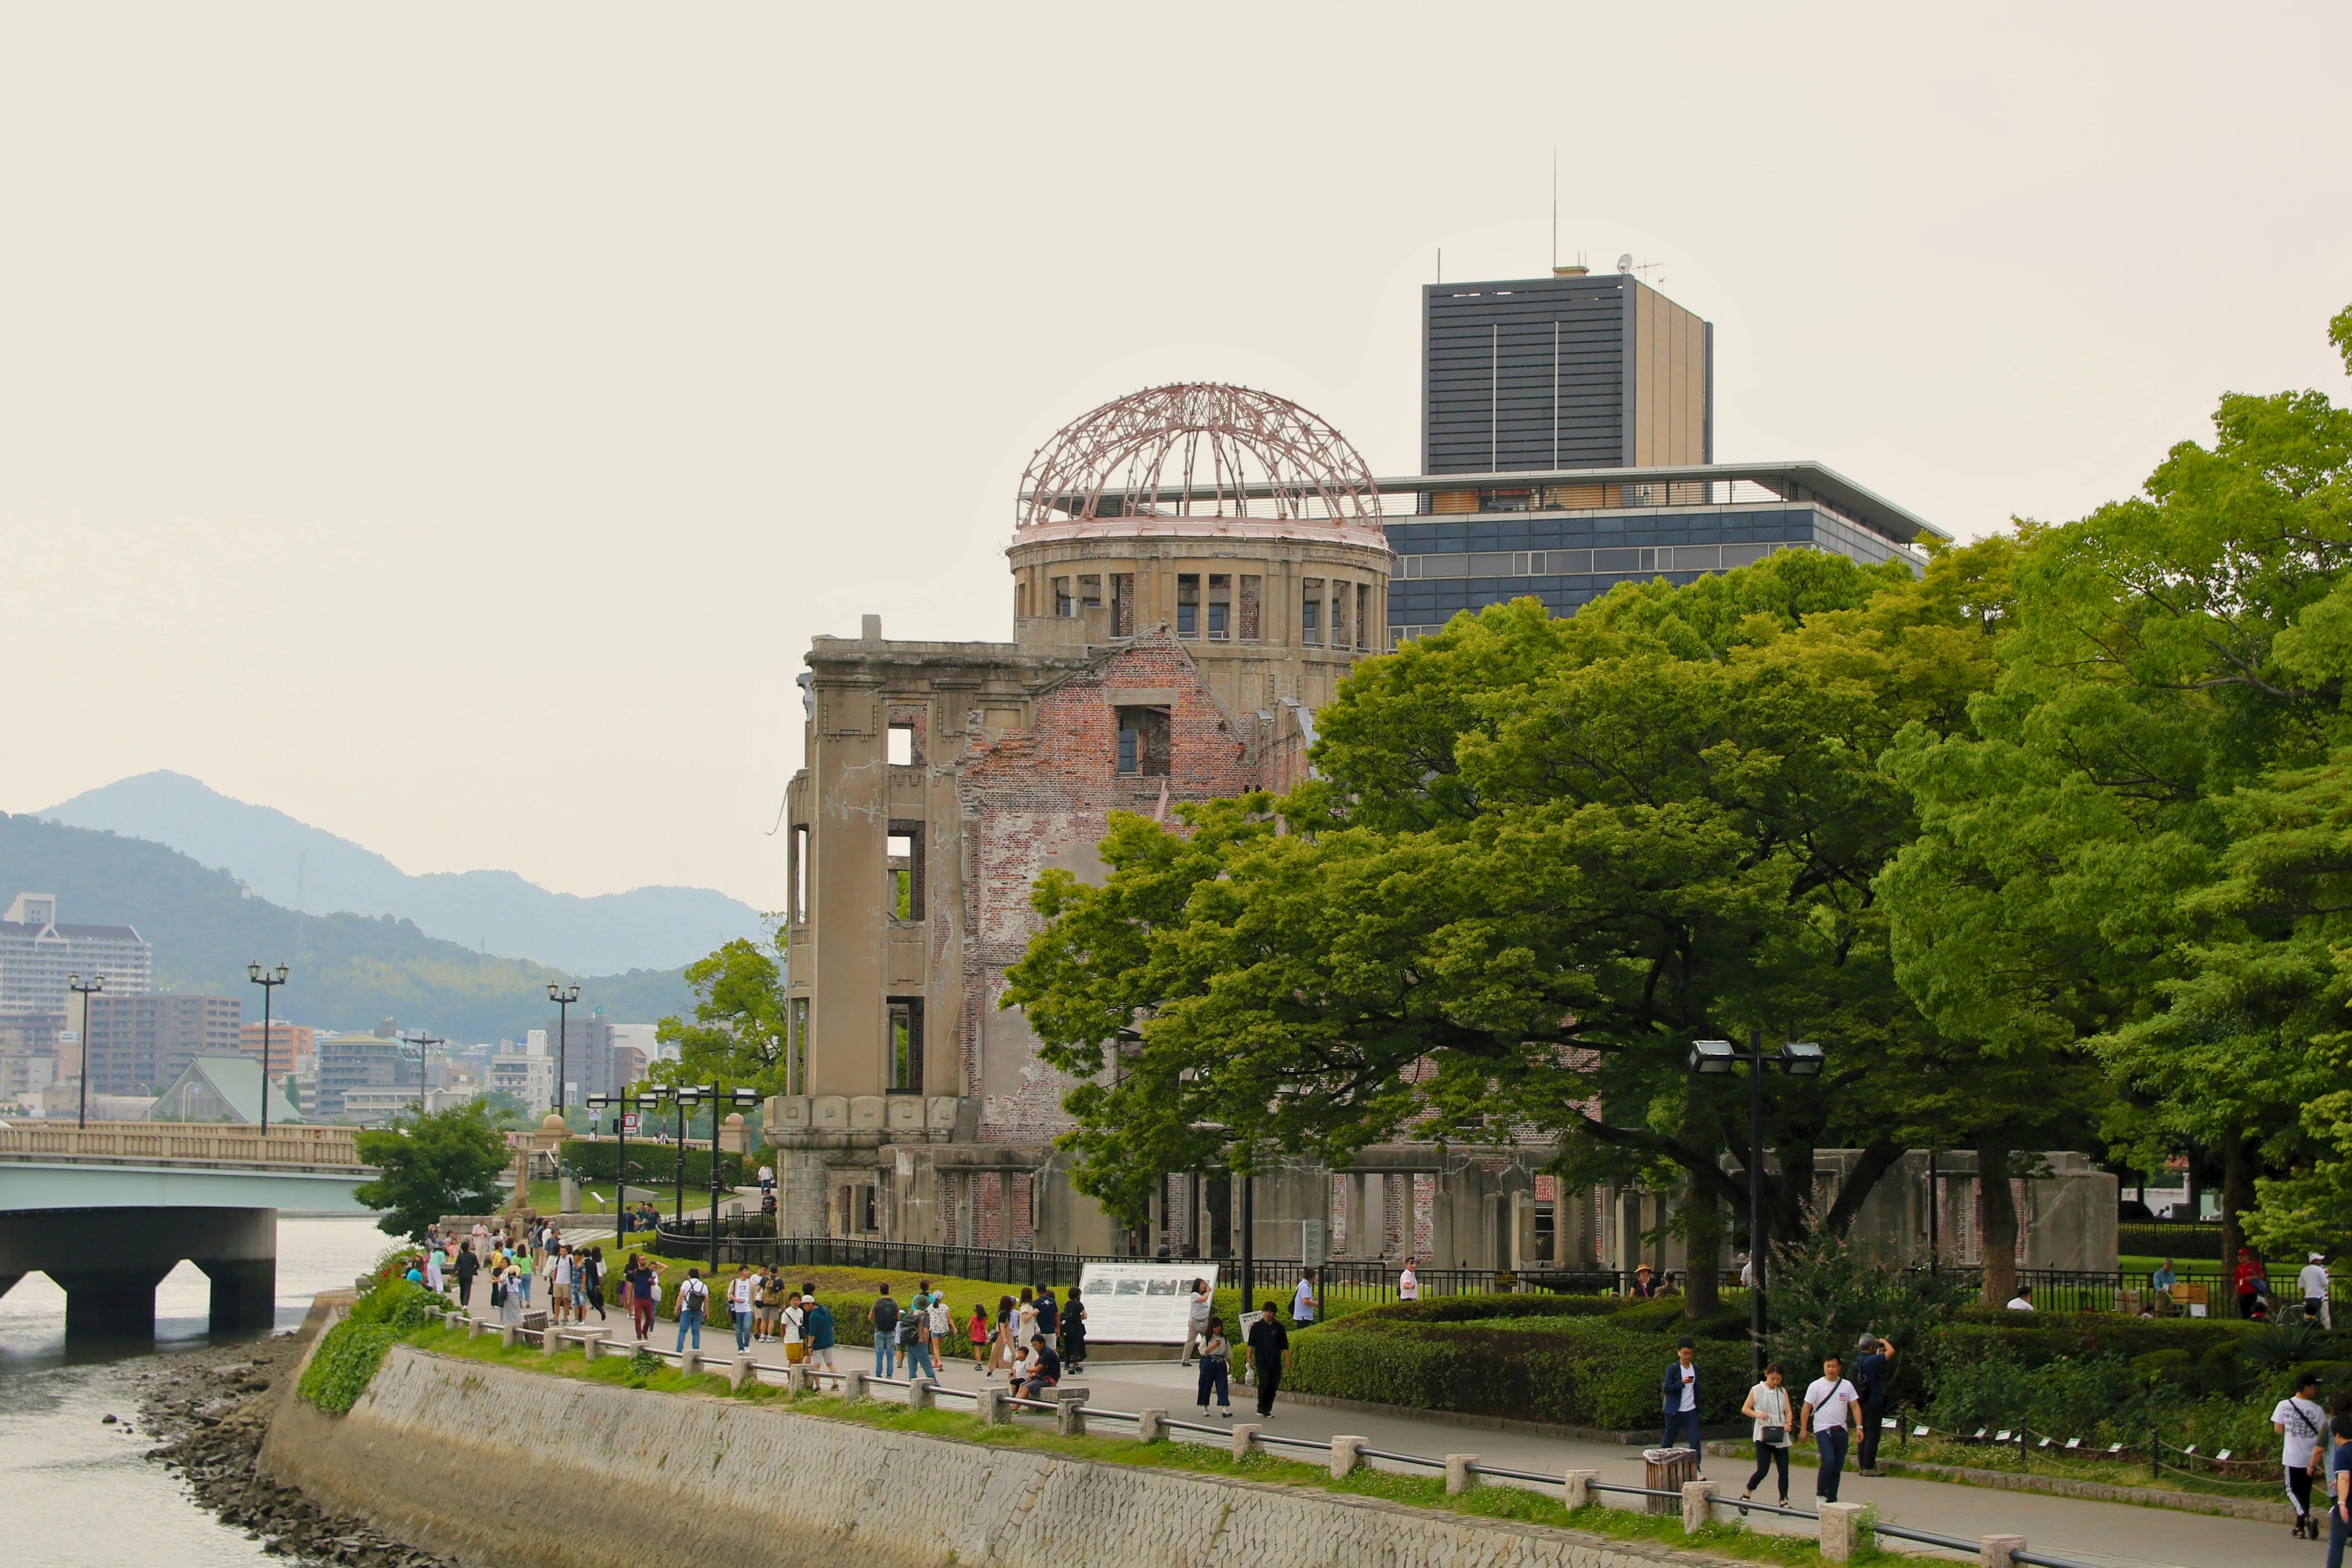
[432,1164]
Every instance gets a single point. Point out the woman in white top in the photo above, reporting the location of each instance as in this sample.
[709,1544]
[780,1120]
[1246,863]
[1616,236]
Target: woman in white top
[1768,1406]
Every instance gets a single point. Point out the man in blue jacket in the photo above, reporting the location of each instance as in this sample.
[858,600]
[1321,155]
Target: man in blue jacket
[1681,1395]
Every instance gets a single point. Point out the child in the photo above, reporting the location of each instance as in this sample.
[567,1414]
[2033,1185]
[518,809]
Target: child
[978,1333]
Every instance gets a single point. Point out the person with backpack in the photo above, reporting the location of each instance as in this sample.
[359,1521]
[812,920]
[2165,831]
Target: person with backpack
[1074,1333]
[693,1301]
[1872,1379]
[1049,1314]
[885,1317]
[816,1326]
[915,1337]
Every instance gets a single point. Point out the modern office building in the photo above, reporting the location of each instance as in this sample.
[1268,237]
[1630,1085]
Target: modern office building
[1567,445]
[379,1061]
[596,1060]
[529,1079]
[291,1045]
[141,1043]
[37,955]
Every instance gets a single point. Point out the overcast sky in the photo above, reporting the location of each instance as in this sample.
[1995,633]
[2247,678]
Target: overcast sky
[449,424]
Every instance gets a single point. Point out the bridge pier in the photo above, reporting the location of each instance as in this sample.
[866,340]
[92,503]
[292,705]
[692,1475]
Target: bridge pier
[109,1260]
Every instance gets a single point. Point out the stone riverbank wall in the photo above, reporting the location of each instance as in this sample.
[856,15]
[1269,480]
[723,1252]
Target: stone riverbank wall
[462,1458]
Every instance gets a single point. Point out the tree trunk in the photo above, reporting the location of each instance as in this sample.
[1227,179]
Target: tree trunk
[1999,1224]
[2237,1197]
[1876,1159]
[1703,1235]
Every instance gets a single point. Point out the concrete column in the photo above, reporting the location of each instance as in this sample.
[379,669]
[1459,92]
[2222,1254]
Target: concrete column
[1838,1532]
[111,1303]
[1347,1453]
[739,1372]
[921,1394]
[1152,1426]
[244,1292]
[853,1385]
[592,1346]
[1998,1550]
[1458,1478]
[989,1405]
[690,1361]
[1244,1437]
[1070,1418]
[1576,1488]
[796,1381]
[1699,1506]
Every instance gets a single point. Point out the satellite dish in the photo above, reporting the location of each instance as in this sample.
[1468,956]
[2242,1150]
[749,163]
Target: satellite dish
[1625,262]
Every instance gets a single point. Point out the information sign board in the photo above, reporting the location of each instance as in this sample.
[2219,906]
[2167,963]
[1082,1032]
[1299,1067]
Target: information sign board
[1143,1302]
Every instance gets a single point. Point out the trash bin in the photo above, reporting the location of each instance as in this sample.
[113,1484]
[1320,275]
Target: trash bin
[1665,1470]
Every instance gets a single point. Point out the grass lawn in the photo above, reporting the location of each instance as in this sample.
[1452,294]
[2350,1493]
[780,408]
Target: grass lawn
[1730,1540]
[2036,1462]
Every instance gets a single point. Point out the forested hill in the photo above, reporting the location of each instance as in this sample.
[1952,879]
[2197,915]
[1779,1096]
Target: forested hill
[350,970]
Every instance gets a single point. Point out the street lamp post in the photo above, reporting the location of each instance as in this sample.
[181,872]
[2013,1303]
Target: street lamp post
[1798,1058]
[562,996]
[622,1109]
[98,983]
[687,1098]
[269,982]
[745,1099]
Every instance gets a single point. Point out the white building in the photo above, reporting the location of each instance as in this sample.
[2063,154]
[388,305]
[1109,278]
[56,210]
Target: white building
[530,1079]
[37,955]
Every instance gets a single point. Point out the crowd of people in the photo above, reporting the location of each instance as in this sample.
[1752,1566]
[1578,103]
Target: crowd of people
[519,1260]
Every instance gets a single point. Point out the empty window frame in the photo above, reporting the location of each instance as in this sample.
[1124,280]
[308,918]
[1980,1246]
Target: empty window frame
[1363,615]
[1188,604]
[1340,597]
[1143,742]
[1310,612]
[902,745]
[1221,605]
[796,1064]
[1062,604]
[905,1043]
[1122,603]
[1020,600]
[1089,594]
[1245,610]
[799,872]
[903,880]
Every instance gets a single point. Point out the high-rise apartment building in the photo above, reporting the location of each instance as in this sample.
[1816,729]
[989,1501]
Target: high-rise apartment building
[291,1045]
[37,955]
[140,1045]
[373,1061]
[596,1060]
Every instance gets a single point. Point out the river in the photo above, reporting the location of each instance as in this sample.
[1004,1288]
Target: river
[76,1492]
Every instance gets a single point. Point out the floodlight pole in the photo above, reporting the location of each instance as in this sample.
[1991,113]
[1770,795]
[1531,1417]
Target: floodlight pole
[270,984]
[96,984]
[562,996]
[1756,1248]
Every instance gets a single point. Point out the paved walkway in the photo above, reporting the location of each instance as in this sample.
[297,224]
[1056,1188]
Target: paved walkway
[2100,1532]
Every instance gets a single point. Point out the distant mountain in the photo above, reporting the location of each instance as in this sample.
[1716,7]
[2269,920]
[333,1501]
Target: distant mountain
[353,970]
[305,868]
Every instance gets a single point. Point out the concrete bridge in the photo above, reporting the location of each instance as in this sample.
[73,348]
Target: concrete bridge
[108,1210]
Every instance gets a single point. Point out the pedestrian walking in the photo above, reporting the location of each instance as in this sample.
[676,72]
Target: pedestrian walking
[2302,1426]
[1680,1393]
[1768,1406]
[468,1265]
[592,1273]
[1873,1380]
[693,1301]
[1303,1300]
[1268,1339]
[433,1278]
[788,1325]
[2313,1282]
[977,1331]
[1003,1355]
[742,1301]
[1025,1320]
[1216,1353]
[915,1337]
[521,1273]
[1049,1313]
[512,1301]
[1074,1332]
[559,1287]
[1197,1313]
[816,1328]
[2241,1280]
[1408,1284]
[1829,1406]
[645,1295]
[2339,1491]
[885,1318]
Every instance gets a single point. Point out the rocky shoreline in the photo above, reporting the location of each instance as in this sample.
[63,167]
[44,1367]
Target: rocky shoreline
[212,1408]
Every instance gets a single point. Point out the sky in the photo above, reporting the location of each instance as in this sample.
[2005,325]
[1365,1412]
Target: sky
[449,425]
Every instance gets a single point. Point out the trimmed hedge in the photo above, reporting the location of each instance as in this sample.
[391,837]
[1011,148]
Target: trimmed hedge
[655,1165]
[2040,1339]
[1590,1362]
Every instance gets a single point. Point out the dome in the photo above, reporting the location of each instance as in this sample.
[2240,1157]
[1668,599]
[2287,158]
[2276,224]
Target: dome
[1198,449]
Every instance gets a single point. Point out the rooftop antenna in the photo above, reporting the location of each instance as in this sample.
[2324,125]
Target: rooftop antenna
[1440,264]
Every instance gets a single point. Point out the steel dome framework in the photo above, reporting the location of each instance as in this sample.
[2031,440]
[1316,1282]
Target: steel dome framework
[1198,449]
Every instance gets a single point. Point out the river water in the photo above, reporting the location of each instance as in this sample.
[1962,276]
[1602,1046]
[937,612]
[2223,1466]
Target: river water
[76,1492]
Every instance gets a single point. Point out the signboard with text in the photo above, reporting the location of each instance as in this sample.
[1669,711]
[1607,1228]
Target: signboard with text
[629,1121]
[1143,1302]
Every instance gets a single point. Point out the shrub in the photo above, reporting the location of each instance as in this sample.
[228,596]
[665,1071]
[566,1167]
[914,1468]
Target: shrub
[343,1364]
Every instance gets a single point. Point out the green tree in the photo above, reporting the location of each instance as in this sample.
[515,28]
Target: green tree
[432,1164]
[2177,660]
[739,1030]
[1543,857]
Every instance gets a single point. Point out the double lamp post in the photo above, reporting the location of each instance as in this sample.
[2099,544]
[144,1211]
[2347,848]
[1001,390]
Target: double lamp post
[1798,1058]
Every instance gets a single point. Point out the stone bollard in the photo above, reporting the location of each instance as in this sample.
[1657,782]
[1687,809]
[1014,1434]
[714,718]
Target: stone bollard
[853,1387]
[739,1372]
[1347,1453]
[1576,1488]
[509,1335]
[550,1340]
[689,1362]
[1070,1418]
[1999,1550]
[1838,1531]
[1245,1439]
[921,1394]
[1152,1426]
[476,1328]
[1699,1506]
[1458,1478]
[796,1381]
[592,1346]
[989,1405]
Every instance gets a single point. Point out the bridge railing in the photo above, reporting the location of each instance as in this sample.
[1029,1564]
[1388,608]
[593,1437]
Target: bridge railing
[226,1141]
